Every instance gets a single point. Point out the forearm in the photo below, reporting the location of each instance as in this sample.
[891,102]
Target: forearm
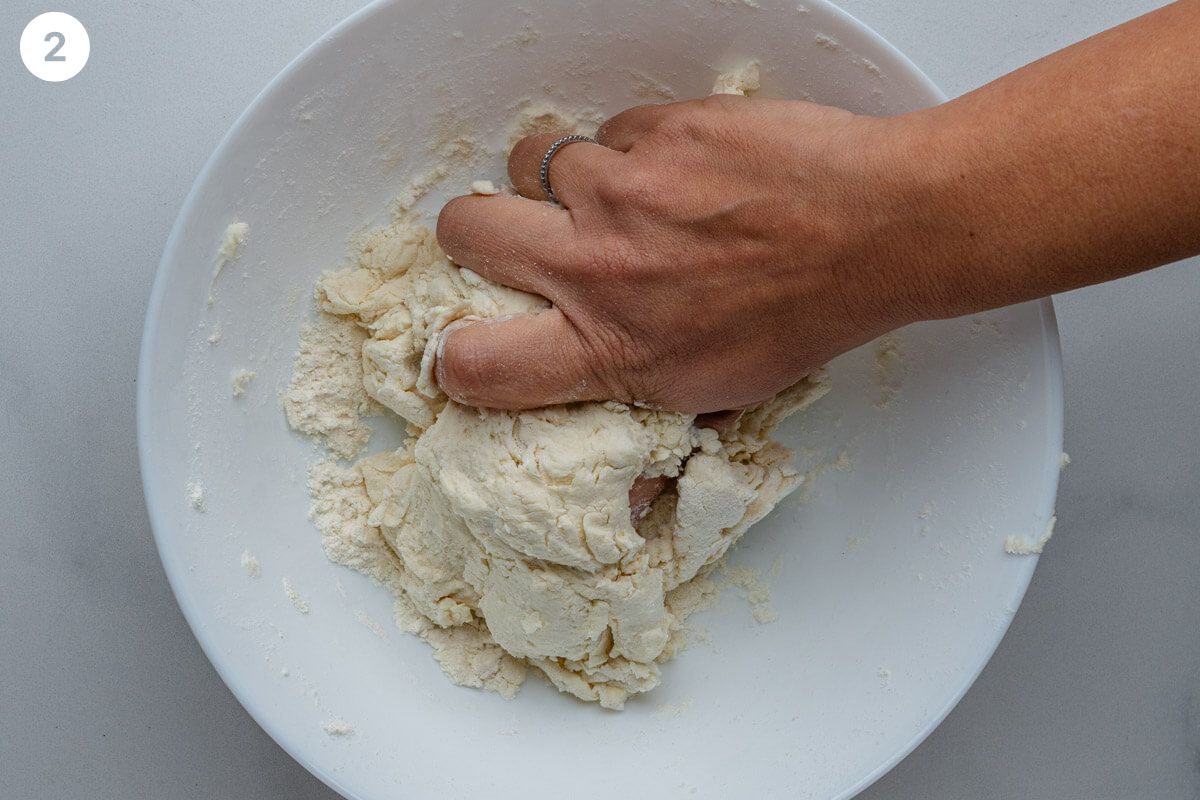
[1079,168]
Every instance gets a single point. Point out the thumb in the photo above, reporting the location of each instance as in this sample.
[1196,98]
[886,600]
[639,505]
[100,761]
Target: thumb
[524,361]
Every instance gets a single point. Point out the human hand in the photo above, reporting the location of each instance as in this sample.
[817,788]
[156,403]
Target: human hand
[710,253]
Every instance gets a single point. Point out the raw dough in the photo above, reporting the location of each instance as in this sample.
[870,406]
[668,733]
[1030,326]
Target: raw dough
[508,535]
[517,525]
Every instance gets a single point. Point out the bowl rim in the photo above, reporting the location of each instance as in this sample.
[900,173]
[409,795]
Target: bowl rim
[258,712]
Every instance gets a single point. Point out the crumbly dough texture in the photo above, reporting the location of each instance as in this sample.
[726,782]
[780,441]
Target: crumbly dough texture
[515,526]
[508,535]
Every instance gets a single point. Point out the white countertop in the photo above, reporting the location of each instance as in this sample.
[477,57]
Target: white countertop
[1095,692]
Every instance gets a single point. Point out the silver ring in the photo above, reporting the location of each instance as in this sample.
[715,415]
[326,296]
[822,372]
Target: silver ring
[544,169]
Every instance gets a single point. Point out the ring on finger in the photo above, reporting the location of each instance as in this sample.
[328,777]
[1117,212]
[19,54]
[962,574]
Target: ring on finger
[544,169]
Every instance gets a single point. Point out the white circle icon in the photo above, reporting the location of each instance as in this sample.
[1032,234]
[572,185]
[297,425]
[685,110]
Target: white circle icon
[55,46]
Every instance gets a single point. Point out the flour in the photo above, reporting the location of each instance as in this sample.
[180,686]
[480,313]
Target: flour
[532,117]
[484,188]
[241,379]
[1020,546]
[231,242]
[326,398]
[338,728]
[648,87]
[827,42]
[298,602]
[250,564]
[753,588]
[370,624]
[507,537]
[744,80]
[196,495]
[449,154]
[674,709]
[840,463]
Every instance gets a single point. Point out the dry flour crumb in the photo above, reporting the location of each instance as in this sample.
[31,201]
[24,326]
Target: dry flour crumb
[841,463]
[326,398]
[752,588]
[370,624]
[763,615]
[1064,462]
[250,564]
[294,597]
[649,87]
[674,709]
[215,335]
[451,154]
[196,495]
[338,727]
[828,42]
[744,80]
[484,187]
[241,379]
[539,116]
[231,243]
[1020,546]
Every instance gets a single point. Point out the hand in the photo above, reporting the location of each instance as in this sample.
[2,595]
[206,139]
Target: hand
[710,253]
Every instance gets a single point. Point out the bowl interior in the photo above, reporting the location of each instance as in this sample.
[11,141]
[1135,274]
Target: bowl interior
[887,572]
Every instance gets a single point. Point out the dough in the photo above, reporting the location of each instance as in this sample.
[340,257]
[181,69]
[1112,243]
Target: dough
[508,536]
[517,525]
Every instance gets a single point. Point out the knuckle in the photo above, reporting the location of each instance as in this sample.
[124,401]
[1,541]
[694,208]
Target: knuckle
[720,102]
[615,356]
[612,260]
[636,186]
[685,121]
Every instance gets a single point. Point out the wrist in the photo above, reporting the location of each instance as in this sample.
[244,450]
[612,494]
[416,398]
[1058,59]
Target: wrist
[935,231]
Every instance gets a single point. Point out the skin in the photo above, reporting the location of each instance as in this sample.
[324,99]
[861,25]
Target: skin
[710,253]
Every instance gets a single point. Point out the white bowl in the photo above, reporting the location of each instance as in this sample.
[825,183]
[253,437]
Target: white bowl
[894,587]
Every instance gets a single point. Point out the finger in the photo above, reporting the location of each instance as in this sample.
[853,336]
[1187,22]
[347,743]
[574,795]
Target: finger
[621,131]
[642,495]
[720,421]
[526,361]
[575,167]
[509,240]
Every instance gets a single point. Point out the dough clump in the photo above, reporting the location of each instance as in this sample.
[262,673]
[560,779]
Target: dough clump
[509,535]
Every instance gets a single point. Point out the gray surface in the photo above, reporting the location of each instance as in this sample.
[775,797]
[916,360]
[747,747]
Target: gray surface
[1095,693]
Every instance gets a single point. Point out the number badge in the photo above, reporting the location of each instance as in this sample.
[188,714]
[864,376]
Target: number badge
[55,46]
